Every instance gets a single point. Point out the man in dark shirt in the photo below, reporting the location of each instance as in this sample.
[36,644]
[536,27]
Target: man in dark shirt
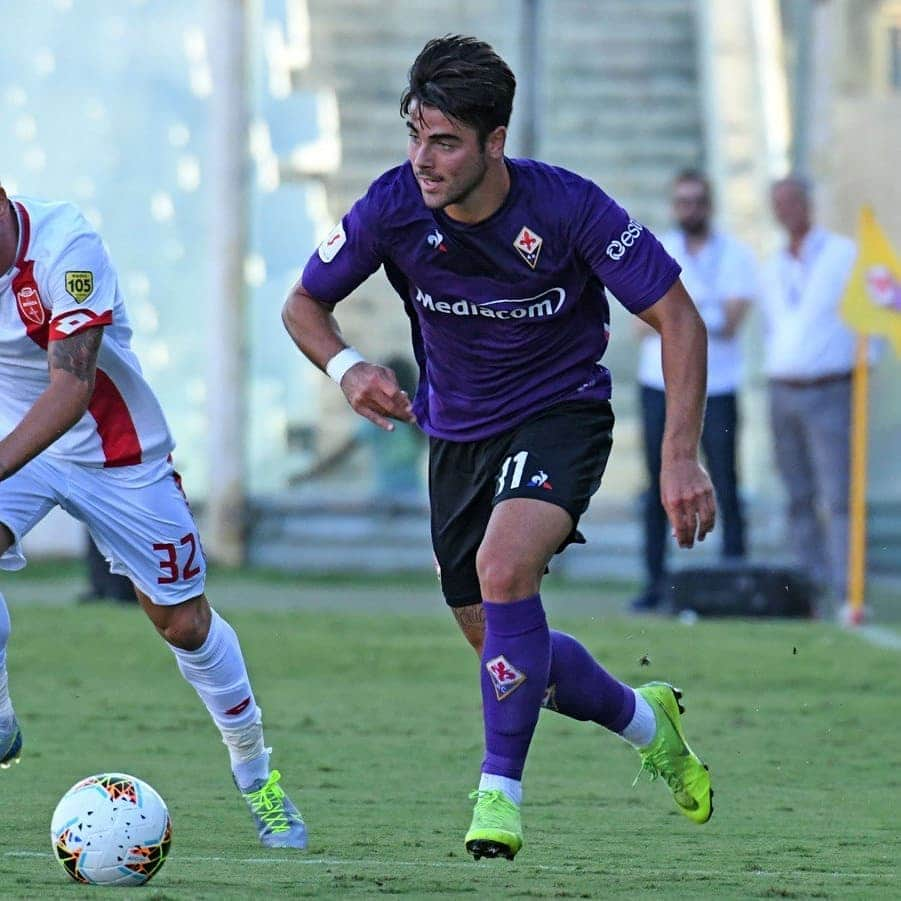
[502,266]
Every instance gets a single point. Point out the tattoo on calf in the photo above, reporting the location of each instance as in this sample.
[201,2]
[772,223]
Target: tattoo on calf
[471,615]
[77,354]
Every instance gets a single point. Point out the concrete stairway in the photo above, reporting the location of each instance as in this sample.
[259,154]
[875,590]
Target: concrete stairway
[621,101]
[312,535]
[618,93]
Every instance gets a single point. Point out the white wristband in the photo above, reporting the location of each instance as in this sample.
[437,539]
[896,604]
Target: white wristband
[341,362]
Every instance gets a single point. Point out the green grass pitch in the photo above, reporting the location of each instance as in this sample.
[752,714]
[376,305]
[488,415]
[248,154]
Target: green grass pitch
[374,716]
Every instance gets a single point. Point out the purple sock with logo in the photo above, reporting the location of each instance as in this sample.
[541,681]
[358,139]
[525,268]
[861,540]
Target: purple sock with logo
[579,687]
[516,659]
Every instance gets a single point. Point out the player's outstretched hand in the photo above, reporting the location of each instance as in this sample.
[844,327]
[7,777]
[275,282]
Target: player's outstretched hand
[687,496]
[374,393]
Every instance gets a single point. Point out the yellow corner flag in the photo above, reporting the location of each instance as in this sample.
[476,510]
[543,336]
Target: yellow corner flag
[871,306]
[872,303]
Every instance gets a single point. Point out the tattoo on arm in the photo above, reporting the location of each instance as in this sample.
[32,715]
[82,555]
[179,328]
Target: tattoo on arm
[77,354]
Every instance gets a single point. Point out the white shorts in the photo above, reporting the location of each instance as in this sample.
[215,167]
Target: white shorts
[138,517]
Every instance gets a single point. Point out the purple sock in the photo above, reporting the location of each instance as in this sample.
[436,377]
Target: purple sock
[579,687]
[515,662]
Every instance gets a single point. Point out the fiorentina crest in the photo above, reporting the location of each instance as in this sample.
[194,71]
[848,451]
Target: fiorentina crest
[505,676]
[529,245]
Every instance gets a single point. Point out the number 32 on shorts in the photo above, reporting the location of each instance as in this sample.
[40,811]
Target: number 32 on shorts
[169,563]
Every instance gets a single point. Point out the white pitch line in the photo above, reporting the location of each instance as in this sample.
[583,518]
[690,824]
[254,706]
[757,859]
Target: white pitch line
[879,636]
[470,864]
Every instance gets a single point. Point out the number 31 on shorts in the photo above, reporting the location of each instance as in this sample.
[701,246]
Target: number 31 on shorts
[518,461]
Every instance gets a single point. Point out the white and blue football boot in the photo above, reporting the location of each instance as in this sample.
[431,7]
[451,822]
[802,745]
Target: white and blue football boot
[10,742]
[279,823]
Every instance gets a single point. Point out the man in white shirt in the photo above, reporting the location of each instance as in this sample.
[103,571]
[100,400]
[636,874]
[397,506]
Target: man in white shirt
[809,357]
[80,428]
[720,274]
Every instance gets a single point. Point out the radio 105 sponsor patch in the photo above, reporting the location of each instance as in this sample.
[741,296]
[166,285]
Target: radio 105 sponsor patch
[80,285]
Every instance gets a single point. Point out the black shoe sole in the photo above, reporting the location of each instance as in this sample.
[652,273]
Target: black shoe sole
[480,848]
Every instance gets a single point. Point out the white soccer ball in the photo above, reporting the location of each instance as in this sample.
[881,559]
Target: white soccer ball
[111,829]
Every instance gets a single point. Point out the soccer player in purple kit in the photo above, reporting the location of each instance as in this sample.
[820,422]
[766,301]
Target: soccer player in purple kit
[502,266]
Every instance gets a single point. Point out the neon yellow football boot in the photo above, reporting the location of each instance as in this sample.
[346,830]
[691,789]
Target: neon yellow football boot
[496,829]
[669,756]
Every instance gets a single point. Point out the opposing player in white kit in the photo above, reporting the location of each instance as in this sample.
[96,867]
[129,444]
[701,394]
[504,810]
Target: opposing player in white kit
[82,430]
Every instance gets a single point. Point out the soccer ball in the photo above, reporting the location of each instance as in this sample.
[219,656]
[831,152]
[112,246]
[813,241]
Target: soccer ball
[111,829]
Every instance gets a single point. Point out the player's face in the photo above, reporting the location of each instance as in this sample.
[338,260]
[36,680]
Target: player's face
[691,207]
[791,208]
[447,157]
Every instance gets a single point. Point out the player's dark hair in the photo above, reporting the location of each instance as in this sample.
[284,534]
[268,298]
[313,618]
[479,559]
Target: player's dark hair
[464,79]
[697,177]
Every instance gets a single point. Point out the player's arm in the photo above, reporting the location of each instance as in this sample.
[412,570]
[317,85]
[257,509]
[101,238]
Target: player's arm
[371,390]
[73,365]
[641,329]
[685,488]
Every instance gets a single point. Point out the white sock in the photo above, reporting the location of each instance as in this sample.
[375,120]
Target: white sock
[642,727]
[217,672]
[249,757]
[6,707]
[512,788]
[245,744]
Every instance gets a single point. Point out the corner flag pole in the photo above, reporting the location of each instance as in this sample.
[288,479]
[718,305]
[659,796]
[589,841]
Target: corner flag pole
[857,544]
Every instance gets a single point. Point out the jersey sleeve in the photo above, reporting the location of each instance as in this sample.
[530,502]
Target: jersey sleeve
[80,287]
[347,256]
[622,253]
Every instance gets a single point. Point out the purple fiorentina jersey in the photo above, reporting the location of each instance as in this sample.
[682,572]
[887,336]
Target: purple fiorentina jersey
[509,316]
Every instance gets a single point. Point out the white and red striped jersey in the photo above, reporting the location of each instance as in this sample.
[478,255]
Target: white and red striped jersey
[61,283]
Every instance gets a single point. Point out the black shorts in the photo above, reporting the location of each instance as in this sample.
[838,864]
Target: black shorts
[557,456]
